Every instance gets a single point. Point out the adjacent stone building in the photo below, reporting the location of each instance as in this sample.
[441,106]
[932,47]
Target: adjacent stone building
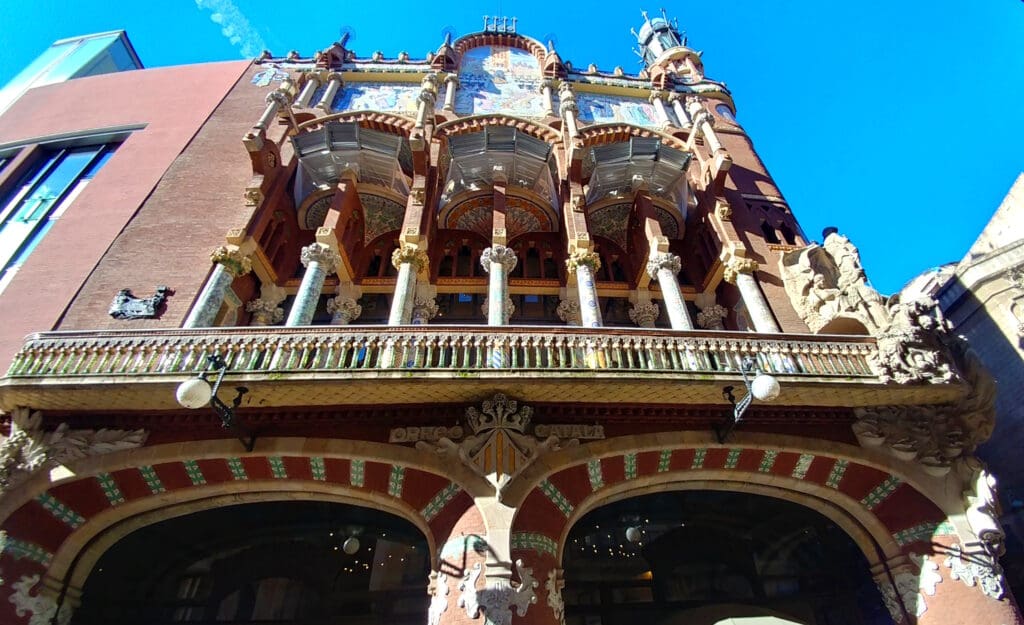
[480,337]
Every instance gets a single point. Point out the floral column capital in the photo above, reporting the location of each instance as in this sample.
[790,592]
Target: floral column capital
[232,259]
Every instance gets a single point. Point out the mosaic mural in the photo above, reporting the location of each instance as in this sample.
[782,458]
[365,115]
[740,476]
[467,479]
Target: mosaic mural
[497,79]
[521,216]
[606,110]
[377,96]
[381,215]
[611,223]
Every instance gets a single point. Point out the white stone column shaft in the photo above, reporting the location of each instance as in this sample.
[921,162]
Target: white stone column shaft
[306,96]
[664,268]
[326,102]
[409,261]
[497,261]
[451,81]
[584,264]
[740,271]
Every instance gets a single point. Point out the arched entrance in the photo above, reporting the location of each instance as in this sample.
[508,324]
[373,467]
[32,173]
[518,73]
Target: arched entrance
[284,562]
[708,557]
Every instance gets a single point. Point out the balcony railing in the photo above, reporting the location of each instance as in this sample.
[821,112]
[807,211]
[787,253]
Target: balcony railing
[436,348]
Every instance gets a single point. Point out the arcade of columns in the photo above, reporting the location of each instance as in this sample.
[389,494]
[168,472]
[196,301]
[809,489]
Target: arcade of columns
[413,298]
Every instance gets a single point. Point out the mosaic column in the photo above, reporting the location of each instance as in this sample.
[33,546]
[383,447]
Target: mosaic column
[546,87]
[584,264]
[229,263]
[319,261]
[676,101]
[306,96]
[497,261]
[334,83]
[409,261]
[451,82]
[663,268]
[740,271]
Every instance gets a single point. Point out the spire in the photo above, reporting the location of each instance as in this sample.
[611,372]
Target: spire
[446,57]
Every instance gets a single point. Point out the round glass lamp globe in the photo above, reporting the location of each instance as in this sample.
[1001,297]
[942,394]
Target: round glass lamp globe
[633,534]
[350,546]
[765,387]
[194,393]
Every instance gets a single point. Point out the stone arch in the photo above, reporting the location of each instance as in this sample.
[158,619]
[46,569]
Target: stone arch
[476,123]
[522,42]
[371,120]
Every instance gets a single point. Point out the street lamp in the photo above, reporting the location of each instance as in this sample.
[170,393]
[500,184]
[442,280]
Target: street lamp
[763,387]
[194,393]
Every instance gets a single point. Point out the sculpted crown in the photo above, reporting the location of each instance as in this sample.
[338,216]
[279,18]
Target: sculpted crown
[499,413]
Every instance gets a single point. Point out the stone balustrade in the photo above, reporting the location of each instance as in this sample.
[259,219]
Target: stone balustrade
[437,348]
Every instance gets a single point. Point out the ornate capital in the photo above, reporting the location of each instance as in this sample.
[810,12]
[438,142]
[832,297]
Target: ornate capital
[583,258]
[344,310]
[711,317]
[279,97]
[410,254]
[499,254]
[737,265]
[663,261]
[657,94]
[264,312]
[237,263]
[452,80]
[569,311]
[508,309]
[423,310]
[567,99]
[335,76]
[549,83]
[322,255]
[645,314]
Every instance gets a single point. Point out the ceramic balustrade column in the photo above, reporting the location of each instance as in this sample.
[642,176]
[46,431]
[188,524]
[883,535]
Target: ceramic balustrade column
[229,263]
[498,261]
[546,87]
[320,261]
[657,98]
[451,81]
[740,271]
[409,260]
[664,268]
[308,90]
[334,84]
[676,101]
[584,263]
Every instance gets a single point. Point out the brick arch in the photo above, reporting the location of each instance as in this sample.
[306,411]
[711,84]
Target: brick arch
[47,530]
[878,508]
[603,134]
[476,123]
[371,120]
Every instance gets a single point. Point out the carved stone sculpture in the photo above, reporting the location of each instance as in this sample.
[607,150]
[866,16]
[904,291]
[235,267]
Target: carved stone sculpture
[496,600]
[127,306]
[911,348]
[829,290]
[554,586]
[976,569]
[29,449]
[438,597]
[982,504]
[40,609]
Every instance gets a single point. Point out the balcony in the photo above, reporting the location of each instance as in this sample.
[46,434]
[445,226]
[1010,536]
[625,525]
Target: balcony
[338,365]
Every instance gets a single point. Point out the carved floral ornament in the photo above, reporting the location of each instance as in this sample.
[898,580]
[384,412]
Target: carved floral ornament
[497,598]
[232,258]
[409,254]
[737,265]
[583,258]
[500,437]
[29,449]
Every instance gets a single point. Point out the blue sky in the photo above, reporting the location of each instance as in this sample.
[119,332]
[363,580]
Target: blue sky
[899,122]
